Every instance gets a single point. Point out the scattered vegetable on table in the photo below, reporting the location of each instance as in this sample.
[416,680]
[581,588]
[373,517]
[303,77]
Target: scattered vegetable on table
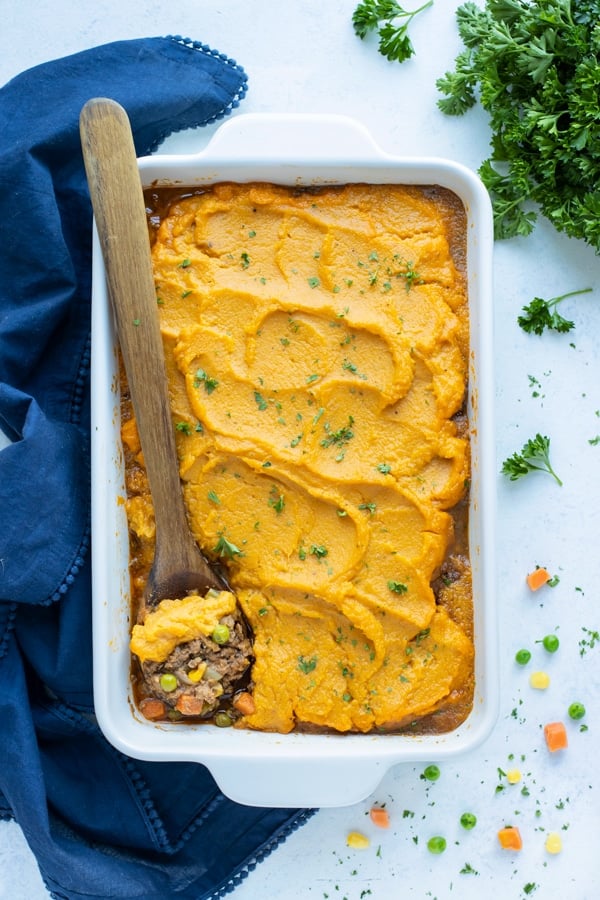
[431,773]
[468,820]
[534,67]
[379,816]
[550,642]
[356,840]
[538,578]
[553,843]
[576,711]
[539,680]
[436,844]
[555,734]
[509,838]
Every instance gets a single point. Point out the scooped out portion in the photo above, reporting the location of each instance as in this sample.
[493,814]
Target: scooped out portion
[317,347]
[193,652]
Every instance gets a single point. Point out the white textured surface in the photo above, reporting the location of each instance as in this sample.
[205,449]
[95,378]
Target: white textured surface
[302,56]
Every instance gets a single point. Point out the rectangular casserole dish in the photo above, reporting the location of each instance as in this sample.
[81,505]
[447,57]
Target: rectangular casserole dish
[297,769]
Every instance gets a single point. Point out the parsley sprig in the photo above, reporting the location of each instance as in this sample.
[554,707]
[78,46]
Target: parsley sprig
[390,21]
[541,314]
[225,548]
[535,455]
[534,67]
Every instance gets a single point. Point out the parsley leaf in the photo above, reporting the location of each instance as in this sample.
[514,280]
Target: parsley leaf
[339,437]
[307,665]
[541,314]
[535,455]
[202,377]
[225,548]
[390,21]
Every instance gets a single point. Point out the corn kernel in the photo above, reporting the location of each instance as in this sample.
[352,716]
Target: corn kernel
[357,841]
[513,776]
[196,675]
[553,842]
[539,680]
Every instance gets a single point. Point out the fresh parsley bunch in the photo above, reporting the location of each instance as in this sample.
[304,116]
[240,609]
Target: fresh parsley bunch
[390,21]
[534,65]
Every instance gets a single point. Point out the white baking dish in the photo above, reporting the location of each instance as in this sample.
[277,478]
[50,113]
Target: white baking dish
[293,770]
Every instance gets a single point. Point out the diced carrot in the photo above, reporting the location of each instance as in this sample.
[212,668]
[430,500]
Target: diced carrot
[380,816]
[153,709]
[189,705]
[510,838]
[244,703]
[538,578]
[556,736]
[129,436]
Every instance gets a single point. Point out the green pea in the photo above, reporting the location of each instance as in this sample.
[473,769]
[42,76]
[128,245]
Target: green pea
[436,844]
[223,720]
[431,773]
[577,710]
[468,821]
[168,682]
[551,643]
[221,634]
[522,657]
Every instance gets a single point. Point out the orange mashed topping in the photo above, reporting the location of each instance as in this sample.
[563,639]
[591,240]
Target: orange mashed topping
[317,351]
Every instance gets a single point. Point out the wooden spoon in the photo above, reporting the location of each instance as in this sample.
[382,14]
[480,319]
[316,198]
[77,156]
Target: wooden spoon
[179,567]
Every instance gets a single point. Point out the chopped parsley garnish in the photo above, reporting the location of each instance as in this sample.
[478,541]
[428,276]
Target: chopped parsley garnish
[307,665]
[340,438]
[201,377]
[225,548]
[276,500]
[589,641]
[183,427]
[397,587]
[468,869]
[410,276]
[318,550]
[350,367]
[260,400]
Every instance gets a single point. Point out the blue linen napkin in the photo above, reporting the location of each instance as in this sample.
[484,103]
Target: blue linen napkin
[100,824]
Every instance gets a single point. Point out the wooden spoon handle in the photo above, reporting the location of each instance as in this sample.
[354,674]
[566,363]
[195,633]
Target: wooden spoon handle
[118,204]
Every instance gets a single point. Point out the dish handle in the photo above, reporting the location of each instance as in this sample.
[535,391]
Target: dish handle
[293,137]
[293,780]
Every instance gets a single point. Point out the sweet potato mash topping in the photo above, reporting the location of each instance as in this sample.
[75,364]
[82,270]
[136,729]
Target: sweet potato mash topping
[178,621]
[317,349]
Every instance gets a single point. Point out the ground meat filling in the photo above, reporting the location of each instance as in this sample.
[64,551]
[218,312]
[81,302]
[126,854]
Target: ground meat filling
[198,675]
